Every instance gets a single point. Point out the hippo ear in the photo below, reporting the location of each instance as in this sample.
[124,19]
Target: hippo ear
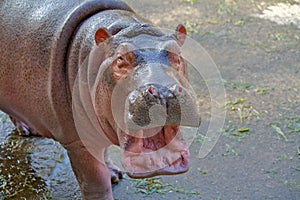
[101,35]
[180,34]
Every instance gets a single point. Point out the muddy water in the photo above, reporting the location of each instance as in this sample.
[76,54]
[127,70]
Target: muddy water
[33,167]
[256,46]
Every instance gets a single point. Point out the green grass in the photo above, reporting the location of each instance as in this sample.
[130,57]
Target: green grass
[201,138]
[261,91]
[149,186]
[228,8]
[236,133]
[230,151]
[191,27]
[292,124]
[286,127]
[241,110]
[191,1]
[280,133]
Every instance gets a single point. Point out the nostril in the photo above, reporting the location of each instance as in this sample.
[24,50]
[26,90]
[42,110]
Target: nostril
[151,90]
[179,89]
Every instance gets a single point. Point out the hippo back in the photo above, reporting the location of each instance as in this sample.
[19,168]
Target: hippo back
[35,35]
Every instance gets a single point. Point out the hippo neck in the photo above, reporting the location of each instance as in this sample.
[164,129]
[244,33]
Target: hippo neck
[61,51]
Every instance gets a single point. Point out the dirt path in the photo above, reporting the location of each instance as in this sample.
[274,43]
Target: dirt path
[258,153]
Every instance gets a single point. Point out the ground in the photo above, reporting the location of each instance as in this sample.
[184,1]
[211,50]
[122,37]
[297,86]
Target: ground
[258,153]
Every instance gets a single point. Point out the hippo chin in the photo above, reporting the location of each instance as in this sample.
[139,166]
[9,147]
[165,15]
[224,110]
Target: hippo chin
[90,74]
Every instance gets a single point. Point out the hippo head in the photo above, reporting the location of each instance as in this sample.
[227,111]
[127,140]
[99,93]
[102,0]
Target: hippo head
[150,98]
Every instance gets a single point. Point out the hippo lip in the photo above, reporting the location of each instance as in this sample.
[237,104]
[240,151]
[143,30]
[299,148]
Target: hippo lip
[161,154]
[178,167]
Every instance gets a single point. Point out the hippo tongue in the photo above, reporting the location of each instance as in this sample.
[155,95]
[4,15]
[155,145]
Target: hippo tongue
[147,155]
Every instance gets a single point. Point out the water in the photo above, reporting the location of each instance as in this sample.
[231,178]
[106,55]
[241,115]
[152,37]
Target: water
[33,167]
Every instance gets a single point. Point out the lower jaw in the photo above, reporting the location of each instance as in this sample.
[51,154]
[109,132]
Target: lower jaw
[161,162]
[164,171]
[161,154]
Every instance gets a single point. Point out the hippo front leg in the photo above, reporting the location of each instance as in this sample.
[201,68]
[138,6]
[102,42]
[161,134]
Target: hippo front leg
[115,173]
[92,175]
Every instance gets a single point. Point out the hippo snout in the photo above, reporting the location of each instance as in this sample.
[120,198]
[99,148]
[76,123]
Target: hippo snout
[153,143]
[165,104]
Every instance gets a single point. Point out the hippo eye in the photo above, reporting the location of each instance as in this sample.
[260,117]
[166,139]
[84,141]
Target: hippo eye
[120,59]
[175,60]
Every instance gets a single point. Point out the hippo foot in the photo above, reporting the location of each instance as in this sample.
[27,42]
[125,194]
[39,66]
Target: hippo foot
[116,174]
[22,128]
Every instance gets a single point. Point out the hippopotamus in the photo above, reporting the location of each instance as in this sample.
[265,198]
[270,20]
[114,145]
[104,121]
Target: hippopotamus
[90,74]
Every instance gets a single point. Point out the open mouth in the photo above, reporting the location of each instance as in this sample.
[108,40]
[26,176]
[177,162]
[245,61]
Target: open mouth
[154,151]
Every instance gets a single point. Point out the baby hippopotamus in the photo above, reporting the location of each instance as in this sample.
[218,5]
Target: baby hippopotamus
[90,74]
